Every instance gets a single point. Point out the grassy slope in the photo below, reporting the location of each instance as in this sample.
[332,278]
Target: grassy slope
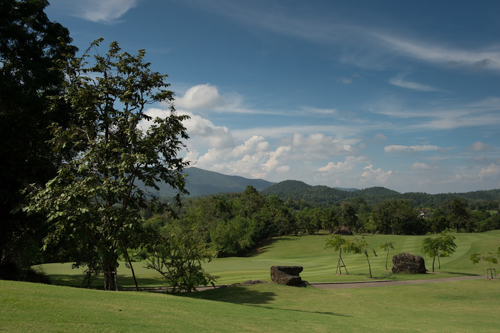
[319,263]
[460,306]
[465,306]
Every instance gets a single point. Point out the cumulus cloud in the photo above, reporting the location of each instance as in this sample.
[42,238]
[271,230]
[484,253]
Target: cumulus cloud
[479,146]
[202,96]
[318,145]
[101,11]
[421,166]
[202,132]
[253,158]
[491,171]
[409,149]
[349,163]
[378,176]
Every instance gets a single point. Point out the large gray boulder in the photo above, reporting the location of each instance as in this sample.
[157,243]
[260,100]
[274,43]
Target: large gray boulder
[287,275]
[408,263]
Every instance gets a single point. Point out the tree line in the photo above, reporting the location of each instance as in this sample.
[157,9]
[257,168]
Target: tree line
[235,223]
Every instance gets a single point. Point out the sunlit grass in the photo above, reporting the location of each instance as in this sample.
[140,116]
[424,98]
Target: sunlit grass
[460,306]
[319,262]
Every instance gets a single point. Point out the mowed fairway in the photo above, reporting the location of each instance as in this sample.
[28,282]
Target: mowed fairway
[460,306]
[319,263]
[457,306]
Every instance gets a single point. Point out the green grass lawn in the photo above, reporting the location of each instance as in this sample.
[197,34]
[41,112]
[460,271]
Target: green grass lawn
[460,306]
[319,263]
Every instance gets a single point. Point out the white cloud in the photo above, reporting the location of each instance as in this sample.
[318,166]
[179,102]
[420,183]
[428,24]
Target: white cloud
[309,109]
[479,146]
[202,96]
[203,133]
[101,11]
[377,176]
[421,166]
[349,163]
[480,59]
[491,171]
[409,149]
[379,137]
[400,82]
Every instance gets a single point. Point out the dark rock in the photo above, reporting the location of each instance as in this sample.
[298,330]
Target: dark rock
[287,275]
[408,263]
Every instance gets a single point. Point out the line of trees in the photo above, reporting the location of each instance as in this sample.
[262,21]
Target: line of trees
[235,223]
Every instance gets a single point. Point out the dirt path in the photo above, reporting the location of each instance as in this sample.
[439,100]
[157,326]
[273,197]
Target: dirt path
[385,283]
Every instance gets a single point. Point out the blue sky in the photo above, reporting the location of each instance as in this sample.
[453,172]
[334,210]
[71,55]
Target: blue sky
[404,95]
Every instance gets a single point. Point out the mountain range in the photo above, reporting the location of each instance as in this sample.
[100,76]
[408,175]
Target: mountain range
[201,182]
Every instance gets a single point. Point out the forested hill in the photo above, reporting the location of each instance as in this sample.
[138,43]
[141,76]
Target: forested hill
[202,182]
[323,195]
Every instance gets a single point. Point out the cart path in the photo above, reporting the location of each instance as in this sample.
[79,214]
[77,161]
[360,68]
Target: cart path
[385,283]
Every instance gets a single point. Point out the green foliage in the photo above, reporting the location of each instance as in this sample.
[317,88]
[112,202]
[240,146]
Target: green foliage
[459,215]
[441,246]
[29,45]
[178,255]
[94,199]
[349,217]
[397,217]
[386,246]
[232,237]
[490,257]
[338,243]
[360,246]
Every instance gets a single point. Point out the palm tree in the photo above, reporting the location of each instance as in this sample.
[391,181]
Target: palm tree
[386,246]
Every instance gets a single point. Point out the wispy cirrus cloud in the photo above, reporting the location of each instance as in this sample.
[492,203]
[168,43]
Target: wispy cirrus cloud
[399,81]
[100,11]
[409,149]
[487,58]
[452,115]
[362,44]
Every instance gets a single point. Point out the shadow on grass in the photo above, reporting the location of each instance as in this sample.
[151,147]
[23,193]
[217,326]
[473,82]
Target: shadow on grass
[461,273]
[234,294]
[244,296]
[263,246]
[317,312]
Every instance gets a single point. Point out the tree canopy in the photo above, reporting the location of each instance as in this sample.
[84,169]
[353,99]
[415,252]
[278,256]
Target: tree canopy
[29,45]
[94,198]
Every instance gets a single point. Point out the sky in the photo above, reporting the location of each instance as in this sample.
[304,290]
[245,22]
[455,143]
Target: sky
[350,94]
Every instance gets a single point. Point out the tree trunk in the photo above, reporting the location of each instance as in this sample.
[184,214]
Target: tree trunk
[369,266]
[110,282]
[131,268]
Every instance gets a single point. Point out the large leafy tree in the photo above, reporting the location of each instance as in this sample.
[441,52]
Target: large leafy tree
[397,217]
[29,45]
[113,145]
[459,215]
